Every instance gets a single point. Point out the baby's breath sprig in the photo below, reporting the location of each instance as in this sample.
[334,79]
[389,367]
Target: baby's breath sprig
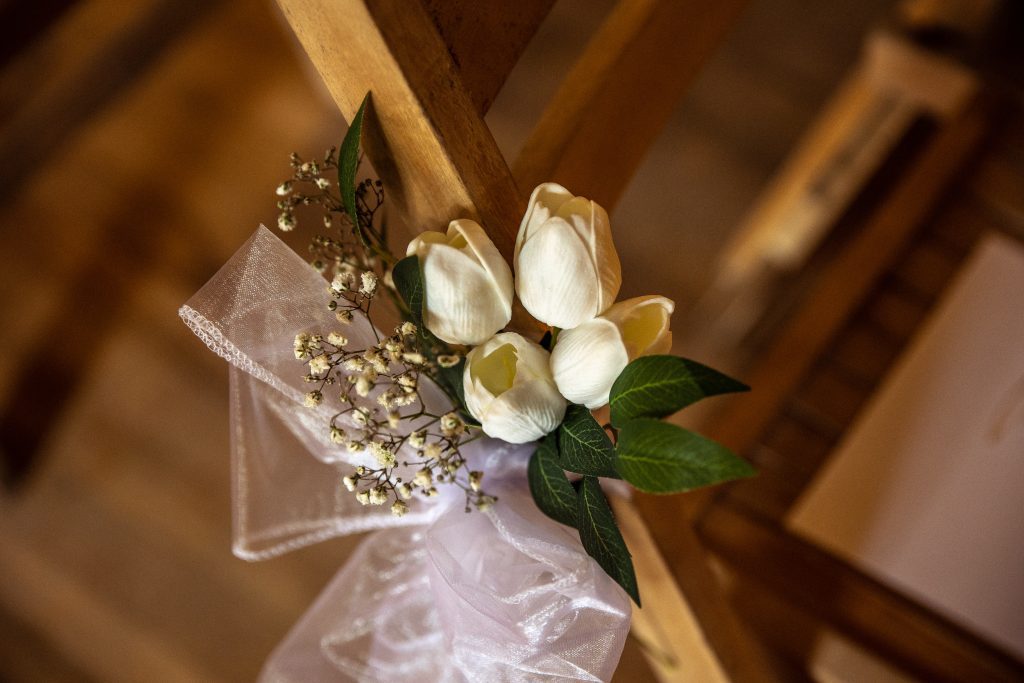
[362,245]
[391,372]
[378,388]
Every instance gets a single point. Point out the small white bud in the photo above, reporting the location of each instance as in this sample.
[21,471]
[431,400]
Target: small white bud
[399,508]
[432,450]
[418,438]
[286,222]
[448,360]
[320,364]
[407,329]
[423,478]
[451,424]
[335,339]
[284,189]
[369,284]
[337,435]
[475,479]
[313,399]
[405,491]
[378,495]
[385,456]
[363,497]
[349,482]
[344,317]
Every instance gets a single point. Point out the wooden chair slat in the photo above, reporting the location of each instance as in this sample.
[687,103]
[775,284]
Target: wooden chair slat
[620,94]
[875,615]
[423,133]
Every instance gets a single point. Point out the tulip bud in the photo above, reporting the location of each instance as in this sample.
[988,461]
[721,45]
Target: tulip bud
[587,359]
[509,389]
[567,270]
[468,285]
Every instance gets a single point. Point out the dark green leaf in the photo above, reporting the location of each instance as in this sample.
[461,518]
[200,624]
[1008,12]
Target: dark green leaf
[583,445]
[409,283]
[659,457]
[656,386]
[451,381]
[552,492]
[348,163]
[601,537]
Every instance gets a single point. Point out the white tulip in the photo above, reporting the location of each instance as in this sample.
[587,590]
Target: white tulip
[509,389]
[468,285]
[567,270]
[587,359]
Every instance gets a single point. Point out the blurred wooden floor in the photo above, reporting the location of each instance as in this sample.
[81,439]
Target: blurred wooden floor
[114,553]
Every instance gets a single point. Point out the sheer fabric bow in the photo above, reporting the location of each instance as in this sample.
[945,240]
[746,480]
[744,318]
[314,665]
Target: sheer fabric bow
[436,595]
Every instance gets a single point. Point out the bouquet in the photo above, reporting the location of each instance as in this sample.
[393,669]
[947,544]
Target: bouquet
[473,448]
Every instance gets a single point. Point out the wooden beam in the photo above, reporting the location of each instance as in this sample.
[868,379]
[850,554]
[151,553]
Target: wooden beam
[486,39]
[423,133]
[849,278]
[883,620]
[687,628]
[620,94]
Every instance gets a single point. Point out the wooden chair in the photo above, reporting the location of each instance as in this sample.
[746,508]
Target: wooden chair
[433,68]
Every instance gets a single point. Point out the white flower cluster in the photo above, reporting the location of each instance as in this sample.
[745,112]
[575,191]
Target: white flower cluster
[567,276]
[388,373]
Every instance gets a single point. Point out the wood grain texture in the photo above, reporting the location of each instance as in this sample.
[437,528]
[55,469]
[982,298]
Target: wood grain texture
[619,95]
[423,131]
[688,630]
[833,592]
[486,39]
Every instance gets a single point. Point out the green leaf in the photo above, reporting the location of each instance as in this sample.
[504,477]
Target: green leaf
[348,163]
[656,386]
[583,445]
[552,492]
[601,537]
[409,283]
[658,457]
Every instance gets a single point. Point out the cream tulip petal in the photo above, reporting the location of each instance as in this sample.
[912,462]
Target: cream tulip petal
[587,360]
[527,410]
[423,239]
[460,305]
[487,255]
[545,200]
[525,413]
[555,276]
[644,323]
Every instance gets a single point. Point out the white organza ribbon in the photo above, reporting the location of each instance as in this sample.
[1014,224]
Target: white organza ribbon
[437,595]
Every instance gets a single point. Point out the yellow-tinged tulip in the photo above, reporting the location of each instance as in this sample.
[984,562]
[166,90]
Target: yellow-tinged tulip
[587,359]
